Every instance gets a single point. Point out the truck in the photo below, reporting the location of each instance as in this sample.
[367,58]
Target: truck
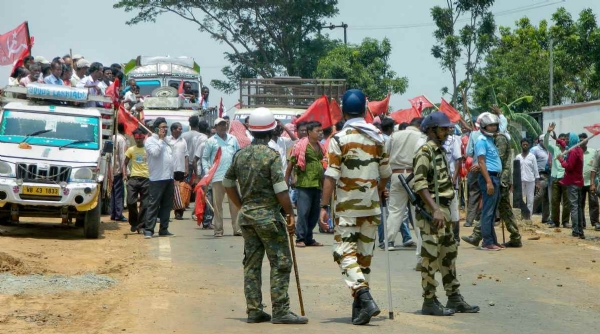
[286,97]
[573,118]
[159,78]
[55,155]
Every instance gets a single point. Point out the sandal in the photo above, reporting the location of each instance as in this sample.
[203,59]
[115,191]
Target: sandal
[315,244]
[300,244]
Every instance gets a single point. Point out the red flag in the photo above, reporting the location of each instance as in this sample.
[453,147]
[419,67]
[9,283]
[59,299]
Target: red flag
[113,92]
[368,117]
[204,182]
[447,109]
[420,102]
[180,89]
[379,107]
[336,111]
[130,122]
[594,129]
[405,115]
[21,61]
[318,111]
[221,108]
[12,44]
[238,105]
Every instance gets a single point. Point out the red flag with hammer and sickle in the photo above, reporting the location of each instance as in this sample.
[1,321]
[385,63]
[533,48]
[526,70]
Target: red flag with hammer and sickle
[12,44]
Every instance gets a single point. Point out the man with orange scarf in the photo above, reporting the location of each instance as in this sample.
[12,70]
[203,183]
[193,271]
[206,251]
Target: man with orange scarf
[306,160]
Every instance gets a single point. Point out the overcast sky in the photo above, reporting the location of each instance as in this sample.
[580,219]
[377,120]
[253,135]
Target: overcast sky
[97,31]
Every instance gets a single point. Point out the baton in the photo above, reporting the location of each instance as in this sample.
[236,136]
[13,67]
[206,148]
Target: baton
[291,239]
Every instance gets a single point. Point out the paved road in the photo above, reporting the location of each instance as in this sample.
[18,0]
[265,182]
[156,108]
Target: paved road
[549,286]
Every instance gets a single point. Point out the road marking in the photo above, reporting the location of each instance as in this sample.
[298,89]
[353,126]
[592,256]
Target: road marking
[164,249]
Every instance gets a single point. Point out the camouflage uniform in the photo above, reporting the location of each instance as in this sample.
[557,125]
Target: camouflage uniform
[257,169]
[356,162]
[439,250]
[504,206]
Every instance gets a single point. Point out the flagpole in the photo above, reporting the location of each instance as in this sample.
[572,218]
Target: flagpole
[28,37]
[428,100]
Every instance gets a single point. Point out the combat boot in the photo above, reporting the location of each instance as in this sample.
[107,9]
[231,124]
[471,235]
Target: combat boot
[368,308]
[432,306]
[471,240]
[258,318]
[290,319]
[458,303]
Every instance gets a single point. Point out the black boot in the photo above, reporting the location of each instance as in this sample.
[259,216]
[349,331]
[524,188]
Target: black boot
[355,309]
[472,240]
[368,308]
[432,306]
[458,303]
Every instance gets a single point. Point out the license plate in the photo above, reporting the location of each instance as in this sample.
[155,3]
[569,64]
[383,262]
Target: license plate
[40,191]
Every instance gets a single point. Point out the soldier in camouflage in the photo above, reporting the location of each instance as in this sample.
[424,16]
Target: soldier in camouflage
[504,206]
[257,169]
[359,171]
[433,183]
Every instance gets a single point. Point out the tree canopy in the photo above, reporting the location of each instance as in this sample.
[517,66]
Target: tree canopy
[365,67]
[519,64]
[267,38]
[471,42]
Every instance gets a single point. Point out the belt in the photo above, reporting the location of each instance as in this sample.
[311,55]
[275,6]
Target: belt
[408,170]
[493,173]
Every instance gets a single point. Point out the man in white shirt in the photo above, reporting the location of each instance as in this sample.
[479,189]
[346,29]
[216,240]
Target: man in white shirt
[180,158]
[92,82]
[401,148]
[529,173]
[160,163]
[283,145]
[80,66]
[189,138]
[118,189]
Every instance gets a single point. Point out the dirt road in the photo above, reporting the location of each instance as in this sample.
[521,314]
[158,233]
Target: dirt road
[192,283]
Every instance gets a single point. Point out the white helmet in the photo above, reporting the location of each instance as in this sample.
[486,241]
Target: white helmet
[261,120]
[488,119]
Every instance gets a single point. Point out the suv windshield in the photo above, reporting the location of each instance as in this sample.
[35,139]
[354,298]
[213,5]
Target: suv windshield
[62,129]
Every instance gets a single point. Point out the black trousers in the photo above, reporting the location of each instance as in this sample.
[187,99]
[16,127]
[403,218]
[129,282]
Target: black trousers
[161,203]
[138,188]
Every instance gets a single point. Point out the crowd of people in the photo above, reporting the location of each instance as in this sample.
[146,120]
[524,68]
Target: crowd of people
[335,178]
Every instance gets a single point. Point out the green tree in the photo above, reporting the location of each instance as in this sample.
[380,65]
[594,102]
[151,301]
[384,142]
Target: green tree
[267,38]
[519,64]
[471,42]
[365,67]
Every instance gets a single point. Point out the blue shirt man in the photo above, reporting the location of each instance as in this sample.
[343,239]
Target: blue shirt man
[485,146]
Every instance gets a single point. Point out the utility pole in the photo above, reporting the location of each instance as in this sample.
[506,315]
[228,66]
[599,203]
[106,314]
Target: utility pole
[551,74]
[343,25]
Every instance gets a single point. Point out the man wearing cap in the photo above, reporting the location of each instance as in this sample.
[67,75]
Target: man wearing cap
[92,81]
[228,145]
[358,170]
[257,169]
[433,183]
[81,68]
